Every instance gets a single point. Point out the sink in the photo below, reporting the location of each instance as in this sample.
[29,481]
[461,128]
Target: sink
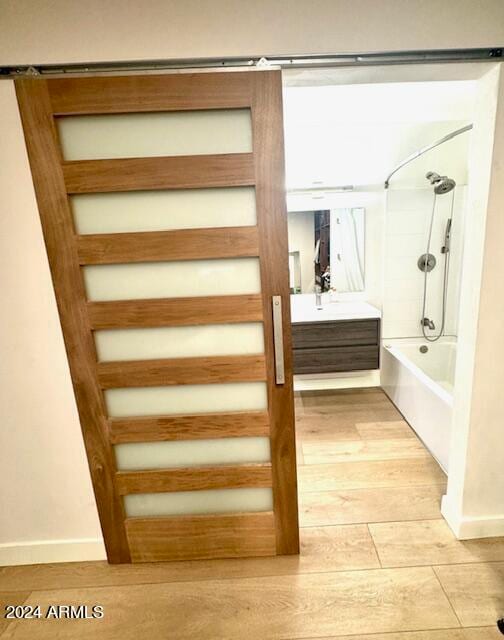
[303,309]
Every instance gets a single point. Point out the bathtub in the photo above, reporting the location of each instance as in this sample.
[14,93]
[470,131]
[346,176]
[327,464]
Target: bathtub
[421,387]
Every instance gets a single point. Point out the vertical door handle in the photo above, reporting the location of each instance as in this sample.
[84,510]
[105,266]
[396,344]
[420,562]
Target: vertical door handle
[278,339]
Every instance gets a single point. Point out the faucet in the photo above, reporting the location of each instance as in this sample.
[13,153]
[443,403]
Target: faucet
[318,298]
[428,323]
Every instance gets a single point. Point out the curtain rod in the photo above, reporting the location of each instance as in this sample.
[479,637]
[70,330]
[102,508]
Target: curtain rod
[286,61]
[423,150]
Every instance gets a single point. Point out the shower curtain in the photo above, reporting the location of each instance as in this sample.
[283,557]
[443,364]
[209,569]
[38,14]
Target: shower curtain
[347,249]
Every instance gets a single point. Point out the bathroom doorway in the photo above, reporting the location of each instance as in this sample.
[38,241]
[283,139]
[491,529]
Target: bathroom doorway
[385,157]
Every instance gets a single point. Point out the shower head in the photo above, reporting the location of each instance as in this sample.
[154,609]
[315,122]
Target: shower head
[442,184]
[445,185]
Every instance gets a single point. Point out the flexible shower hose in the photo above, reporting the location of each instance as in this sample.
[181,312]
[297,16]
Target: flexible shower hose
[434,338]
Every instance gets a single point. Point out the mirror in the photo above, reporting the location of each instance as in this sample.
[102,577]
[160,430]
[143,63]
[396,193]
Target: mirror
[326,250]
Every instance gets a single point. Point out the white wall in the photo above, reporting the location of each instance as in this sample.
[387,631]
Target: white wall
[46,497]
[70,31]
[356,134]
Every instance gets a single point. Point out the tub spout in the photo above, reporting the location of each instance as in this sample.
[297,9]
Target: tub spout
[428,323]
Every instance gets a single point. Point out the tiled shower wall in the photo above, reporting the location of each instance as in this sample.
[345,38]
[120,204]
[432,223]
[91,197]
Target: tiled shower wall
[406,232]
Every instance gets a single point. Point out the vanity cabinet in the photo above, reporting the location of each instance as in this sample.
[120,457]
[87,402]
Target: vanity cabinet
[336,346]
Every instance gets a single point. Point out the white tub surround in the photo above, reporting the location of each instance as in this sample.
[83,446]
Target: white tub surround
[421,387]
[406,233]
[304,309]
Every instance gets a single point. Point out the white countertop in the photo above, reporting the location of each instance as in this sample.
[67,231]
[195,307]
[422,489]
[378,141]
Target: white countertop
[303,309]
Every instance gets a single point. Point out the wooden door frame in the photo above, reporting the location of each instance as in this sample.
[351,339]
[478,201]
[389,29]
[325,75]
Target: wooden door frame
[42,100]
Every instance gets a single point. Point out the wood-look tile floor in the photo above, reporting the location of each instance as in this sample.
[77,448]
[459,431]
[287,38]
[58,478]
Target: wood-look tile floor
[377,561]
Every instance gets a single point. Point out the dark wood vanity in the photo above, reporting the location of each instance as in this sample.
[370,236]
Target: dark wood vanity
[336,345]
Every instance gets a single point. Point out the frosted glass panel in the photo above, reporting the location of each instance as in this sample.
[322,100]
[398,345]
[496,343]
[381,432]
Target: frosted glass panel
[180,342]
[139,135]
[191,453]
[172,279]
[198,502]
[164,210]
[180,399]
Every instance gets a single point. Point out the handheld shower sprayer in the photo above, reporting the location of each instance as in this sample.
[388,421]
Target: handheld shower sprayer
[447,237]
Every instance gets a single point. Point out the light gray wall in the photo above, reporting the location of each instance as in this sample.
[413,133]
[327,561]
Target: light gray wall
[69,31]
[46,493]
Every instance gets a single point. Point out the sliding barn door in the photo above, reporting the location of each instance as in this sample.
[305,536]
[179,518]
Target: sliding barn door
[162,205]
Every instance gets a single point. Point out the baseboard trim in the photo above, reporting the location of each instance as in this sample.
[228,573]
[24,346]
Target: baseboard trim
[330,381]
[471,528]
[45,551]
